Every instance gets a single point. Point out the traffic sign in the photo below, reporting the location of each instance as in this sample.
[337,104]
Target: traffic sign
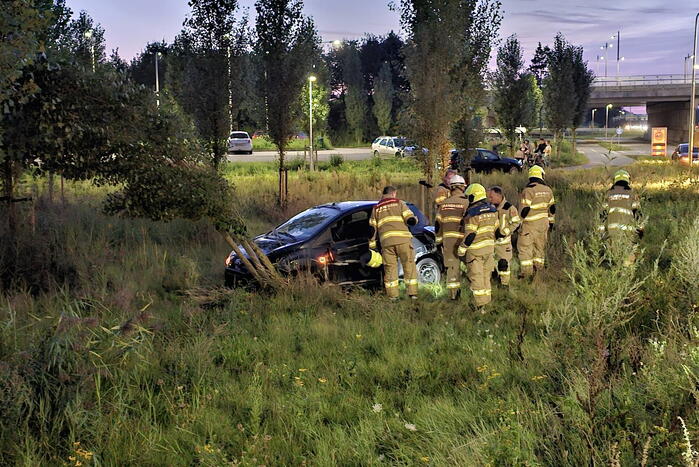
[658,146]
[619,131]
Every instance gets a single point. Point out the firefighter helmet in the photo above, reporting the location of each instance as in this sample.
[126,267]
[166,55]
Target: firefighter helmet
[622,175]
[536,172]
[457,180]
[477,191]
[376,260]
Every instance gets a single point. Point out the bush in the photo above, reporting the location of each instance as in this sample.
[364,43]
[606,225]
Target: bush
[336,160]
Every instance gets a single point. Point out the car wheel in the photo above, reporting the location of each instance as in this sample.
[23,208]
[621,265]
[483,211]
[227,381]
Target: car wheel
[511,170]
[428,271]
[250,152]
[398,154]
[376,153]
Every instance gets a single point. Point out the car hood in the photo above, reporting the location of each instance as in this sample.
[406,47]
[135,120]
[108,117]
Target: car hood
[271,245]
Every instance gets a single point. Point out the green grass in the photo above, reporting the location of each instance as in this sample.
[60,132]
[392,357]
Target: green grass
[296,144]
[566,158]
[121,340]
[611,146]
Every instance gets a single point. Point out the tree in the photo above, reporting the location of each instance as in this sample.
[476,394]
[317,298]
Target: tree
[512,90]
[142,67]
[85,41]
[286,43]
[383,99]
[355,94]
[582,86]
[559,89]
[539,64]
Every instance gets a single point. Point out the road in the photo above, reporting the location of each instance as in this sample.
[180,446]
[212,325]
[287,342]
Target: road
[598,156]
[349,154]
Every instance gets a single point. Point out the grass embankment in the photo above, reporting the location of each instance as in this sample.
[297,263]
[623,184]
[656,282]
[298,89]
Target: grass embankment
[566,158]
[611,146]
[296,144]
[124,352]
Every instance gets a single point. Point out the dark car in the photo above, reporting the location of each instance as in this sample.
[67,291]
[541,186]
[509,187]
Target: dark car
[331,241]
[681,151]
[485,160]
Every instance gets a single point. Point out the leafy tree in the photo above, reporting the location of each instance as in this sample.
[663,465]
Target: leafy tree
[321,107]
[286,43]
[539,64]
[383,98]
[355,95]
[582,86]
[559,88]
[512,90]
[84,40]
[142,67]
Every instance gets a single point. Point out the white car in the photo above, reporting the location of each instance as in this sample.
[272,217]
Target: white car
[240,142]
[388,146]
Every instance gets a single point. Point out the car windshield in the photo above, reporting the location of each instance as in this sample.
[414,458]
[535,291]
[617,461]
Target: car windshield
[306,224]
[400,142]
[239,135]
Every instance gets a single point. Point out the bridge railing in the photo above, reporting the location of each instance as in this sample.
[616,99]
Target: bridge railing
[641,80]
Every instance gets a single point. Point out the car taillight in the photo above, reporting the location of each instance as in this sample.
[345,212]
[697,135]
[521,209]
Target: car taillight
[325,259]
[229,260]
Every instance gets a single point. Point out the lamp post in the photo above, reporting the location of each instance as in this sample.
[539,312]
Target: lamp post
[227,38]
[311,79]
[692,99]
[89,36]
[606,47]
[685,65]
[157,80]
[617,36]
[606,121]
[592,120]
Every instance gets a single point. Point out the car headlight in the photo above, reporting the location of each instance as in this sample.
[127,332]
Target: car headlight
[229,260]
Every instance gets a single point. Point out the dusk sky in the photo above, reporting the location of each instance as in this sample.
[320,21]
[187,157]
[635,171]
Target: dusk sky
[655,35]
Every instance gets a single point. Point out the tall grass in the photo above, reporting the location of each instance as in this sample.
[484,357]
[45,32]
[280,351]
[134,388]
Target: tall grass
[138,357]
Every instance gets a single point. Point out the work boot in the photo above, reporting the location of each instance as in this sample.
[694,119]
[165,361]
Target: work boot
[413,297]
[456,295]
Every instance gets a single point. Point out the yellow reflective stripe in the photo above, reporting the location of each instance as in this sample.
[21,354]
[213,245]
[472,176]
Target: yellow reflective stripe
[438,218]
[621,210]
[635,205]
[481,244]
[526,202]
[453,235]
[536,217]
[391,284]
[439,239]
[439,199]
[396,233]
[540,206]
[407,214]
[411,282]
[453,285]
[504,273]
[481,292]
[504,240]
[452,219]
[515,219]
[486,228]
[390,219]
[505,232]
[539,260]
[600,228]
[372,221]
[553,201]
[461,251]
[526,262]
[372,244]
[616,226]
[552,219]
[473,227]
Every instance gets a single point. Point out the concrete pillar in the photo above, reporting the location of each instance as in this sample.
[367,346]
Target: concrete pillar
[674,116]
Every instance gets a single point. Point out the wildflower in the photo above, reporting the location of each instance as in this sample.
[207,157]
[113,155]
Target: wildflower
[303,369]
[410,427]
[377,408]
[71,458]
[425,459]
[538,378]
[298,381]
[240,427]
[267,438]
[208,448]
[322,380]
[482,368]
[358,336]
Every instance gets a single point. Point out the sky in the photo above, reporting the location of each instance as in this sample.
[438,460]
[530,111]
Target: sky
[655,35]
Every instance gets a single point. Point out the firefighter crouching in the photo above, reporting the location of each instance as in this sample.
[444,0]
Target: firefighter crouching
[389,220]
[508,222]
[478,244]
[537,210]
[450,234]
[621,213]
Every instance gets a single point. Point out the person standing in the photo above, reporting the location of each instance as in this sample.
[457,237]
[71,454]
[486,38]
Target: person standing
[508,222]
[478,244]
[537,210]
[621,215]
[390,220]
[449,228]
[443,191]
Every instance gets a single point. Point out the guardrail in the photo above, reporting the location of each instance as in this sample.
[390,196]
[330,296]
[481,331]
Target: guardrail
[641,80]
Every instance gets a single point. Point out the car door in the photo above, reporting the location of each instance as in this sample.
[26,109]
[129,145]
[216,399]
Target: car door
[479,162]
[349,238]
[389,148]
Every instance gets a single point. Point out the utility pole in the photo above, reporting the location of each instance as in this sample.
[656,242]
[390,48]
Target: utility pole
[227,37]
[311,79]
[692,100]
[606,121]
[90,37]
[592,121]
[157,81]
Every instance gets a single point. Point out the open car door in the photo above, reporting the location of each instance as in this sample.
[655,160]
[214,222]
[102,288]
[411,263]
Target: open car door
[349,248]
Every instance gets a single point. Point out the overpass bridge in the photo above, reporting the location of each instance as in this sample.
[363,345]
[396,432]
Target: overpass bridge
[666,98]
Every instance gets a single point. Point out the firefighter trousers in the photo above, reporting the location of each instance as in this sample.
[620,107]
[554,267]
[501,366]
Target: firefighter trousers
[391,255]
[452,263]
[479,268]
[531,246]
[503,260]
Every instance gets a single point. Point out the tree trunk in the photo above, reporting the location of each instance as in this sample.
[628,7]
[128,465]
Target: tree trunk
[50,186]
[575,148]
[8,193]
[282,188]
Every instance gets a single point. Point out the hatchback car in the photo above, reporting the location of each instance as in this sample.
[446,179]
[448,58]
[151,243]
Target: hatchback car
[485,160]
[681,151]
[391,146]
[331,241]
[240,142]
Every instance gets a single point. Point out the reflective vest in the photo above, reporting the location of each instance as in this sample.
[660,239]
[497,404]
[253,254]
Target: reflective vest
[482,220]
[619,210]
[389,222]
[449,220]
[538,197]
[443,192]
[508,222]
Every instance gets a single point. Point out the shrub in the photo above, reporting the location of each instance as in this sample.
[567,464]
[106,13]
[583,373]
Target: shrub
[336,160]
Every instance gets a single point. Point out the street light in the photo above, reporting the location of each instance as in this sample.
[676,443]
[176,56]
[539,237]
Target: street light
[685,65]
[606,121]
[617,64]
[311,80]
[227,38]
[692,100]
[606,47]
[157,80]
[617,36]
[592,120]
[89,36]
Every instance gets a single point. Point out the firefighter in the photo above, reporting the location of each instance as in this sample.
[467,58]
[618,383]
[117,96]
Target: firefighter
[449,227]
[537,210]
[389,220]
[443,190]
[621,215]
[508,222]
[478,244]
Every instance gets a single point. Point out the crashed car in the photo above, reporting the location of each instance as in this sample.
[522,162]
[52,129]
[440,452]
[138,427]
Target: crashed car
[331,241]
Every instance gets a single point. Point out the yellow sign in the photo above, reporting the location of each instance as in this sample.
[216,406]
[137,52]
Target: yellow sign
[658,146]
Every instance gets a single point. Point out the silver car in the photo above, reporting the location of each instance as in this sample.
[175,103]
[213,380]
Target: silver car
[240,142]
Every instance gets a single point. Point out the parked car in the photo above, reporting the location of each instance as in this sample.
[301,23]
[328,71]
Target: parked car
[392,146]
[681,151]
[485,160]
[240,142]
[259,134]
[331,241]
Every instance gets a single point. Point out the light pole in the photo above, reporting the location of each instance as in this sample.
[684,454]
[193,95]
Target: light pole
[89,36]
[606,47]
[157,80]
[606,121]
[617,36]
[685,65]
[227,37]
[311,79]
[592,120]
[692,99]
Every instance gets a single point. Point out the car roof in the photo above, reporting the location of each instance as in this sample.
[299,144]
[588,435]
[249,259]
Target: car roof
[346,206]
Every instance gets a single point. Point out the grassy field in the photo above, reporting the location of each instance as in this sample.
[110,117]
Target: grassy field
[119,347]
